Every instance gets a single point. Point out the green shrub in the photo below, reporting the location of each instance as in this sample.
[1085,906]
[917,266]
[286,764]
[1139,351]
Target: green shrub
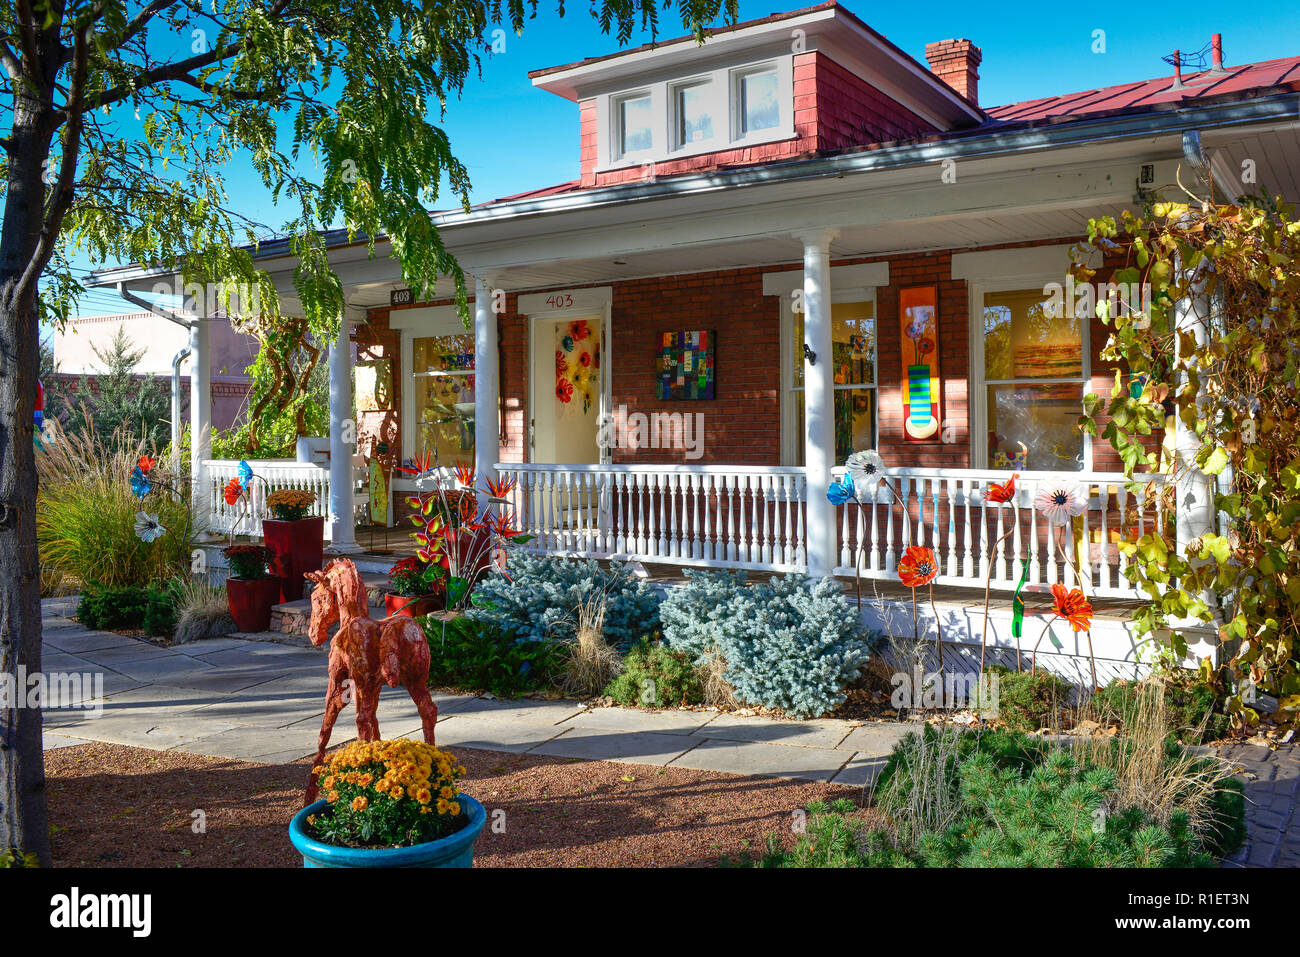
[541,597]
[655,676]
[477,656]
[151,608]
[789,643]
[86,515]
[1191,706]
[1029,701]
[1013,804]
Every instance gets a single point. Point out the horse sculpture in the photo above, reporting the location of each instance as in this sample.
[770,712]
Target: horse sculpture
[364,652]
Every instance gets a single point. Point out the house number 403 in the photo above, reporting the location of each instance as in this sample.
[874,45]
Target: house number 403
[564,301]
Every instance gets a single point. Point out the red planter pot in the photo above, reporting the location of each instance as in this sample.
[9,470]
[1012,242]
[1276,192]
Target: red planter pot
[296,548]
[410,607]
[251,601]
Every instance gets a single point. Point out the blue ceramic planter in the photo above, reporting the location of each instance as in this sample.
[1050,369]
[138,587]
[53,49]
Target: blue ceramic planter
[454,851]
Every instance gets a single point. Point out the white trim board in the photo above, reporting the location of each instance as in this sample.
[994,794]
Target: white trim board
[861,276]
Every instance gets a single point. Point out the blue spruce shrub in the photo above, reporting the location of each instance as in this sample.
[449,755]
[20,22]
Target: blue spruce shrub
[694,616]
[790,643]
[540,598]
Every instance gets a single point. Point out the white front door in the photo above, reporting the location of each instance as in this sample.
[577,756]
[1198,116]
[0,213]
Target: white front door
[568,389]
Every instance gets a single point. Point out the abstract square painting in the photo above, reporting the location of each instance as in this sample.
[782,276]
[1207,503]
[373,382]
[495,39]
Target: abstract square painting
[684,369]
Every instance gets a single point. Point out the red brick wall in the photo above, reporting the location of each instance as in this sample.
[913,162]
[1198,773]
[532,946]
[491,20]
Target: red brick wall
[742,424]
[833,109]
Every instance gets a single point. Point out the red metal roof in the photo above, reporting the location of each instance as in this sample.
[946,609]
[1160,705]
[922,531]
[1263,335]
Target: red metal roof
[1276,74]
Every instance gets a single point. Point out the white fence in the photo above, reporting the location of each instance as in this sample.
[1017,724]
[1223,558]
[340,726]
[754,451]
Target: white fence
[754,517]
[715,515]
[948,511]
[278,473]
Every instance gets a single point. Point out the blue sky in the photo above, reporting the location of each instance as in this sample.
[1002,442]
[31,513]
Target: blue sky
[513,137]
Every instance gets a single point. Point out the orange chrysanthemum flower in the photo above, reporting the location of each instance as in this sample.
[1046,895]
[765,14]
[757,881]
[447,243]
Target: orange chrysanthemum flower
[1072,605]
[1003,491]
[918,567]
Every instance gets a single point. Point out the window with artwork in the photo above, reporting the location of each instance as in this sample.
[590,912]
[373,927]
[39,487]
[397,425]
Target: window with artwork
[1034,375]
[442,368]
[853,372]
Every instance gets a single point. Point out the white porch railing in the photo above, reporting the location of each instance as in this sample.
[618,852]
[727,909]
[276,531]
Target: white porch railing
[949,512]
[754,517]
[714,515]
[278,473]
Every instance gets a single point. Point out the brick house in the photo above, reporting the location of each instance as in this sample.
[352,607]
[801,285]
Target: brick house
[793,242]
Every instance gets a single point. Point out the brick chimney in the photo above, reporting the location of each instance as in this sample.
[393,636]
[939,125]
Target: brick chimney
[956,62]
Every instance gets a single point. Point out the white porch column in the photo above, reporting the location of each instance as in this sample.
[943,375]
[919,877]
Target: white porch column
[1194,490]
[343,442]
[200,415]
[819,401]
[487,428]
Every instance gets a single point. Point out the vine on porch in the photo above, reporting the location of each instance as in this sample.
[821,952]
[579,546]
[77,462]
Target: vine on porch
[1235,390]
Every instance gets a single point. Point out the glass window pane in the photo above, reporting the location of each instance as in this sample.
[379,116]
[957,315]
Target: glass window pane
[1033,427]
[444,418]
[1024,339]
[694,118]
[759,107]
[442,353]
[853,334]
[634,124]
[855,423]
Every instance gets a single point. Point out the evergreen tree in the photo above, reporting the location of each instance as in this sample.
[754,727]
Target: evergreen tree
[120,401]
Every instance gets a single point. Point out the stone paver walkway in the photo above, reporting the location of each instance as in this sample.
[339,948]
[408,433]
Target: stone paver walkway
[261,700]
[1272,791]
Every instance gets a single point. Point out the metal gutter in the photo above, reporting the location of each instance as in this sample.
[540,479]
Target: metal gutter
[968,146]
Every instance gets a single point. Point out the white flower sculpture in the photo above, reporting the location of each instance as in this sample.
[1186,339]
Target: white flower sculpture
[147,527]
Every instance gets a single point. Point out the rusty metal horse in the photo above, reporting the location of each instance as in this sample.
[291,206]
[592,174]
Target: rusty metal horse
[365,652]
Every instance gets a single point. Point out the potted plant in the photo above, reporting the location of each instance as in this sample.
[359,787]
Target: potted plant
[415,588]
[388,804]
[295,538]
[250,590]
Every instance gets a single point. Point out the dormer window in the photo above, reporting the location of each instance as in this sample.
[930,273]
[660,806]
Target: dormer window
[634,119]
[693,110]
[730,105]
[758,103]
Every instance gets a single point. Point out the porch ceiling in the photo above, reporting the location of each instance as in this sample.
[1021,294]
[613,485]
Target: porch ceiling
[852,242]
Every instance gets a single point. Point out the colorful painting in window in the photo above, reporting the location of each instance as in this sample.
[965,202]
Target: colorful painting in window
[577,364]
[918,316]
[685,365]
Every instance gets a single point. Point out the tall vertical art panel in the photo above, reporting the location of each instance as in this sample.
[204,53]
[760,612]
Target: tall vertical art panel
[918,317]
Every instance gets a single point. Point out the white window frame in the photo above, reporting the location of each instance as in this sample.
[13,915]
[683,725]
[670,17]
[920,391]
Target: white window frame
[421,323]
[616,126]
[739,136]
[790,441]
[717,106]
[666,146]
[978,397]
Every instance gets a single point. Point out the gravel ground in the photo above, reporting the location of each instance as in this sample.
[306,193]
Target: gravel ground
[117,806]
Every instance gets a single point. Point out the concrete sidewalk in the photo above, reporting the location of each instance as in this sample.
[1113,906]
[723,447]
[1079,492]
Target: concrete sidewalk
[262,700]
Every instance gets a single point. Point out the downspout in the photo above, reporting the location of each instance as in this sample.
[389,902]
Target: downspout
[176,409]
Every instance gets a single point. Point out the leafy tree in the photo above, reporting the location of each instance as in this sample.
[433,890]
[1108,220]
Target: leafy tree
[121,402]
[344,89]
[1234,388]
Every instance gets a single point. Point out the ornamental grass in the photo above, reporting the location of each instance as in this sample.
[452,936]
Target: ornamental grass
[388,794]
[87,513]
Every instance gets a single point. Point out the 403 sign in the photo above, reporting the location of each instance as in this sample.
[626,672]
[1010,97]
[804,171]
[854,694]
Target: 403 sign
[401,297]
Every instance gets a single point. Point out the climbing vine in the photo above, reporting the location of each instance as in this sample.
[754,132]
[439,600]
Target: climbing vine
[1235,389]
